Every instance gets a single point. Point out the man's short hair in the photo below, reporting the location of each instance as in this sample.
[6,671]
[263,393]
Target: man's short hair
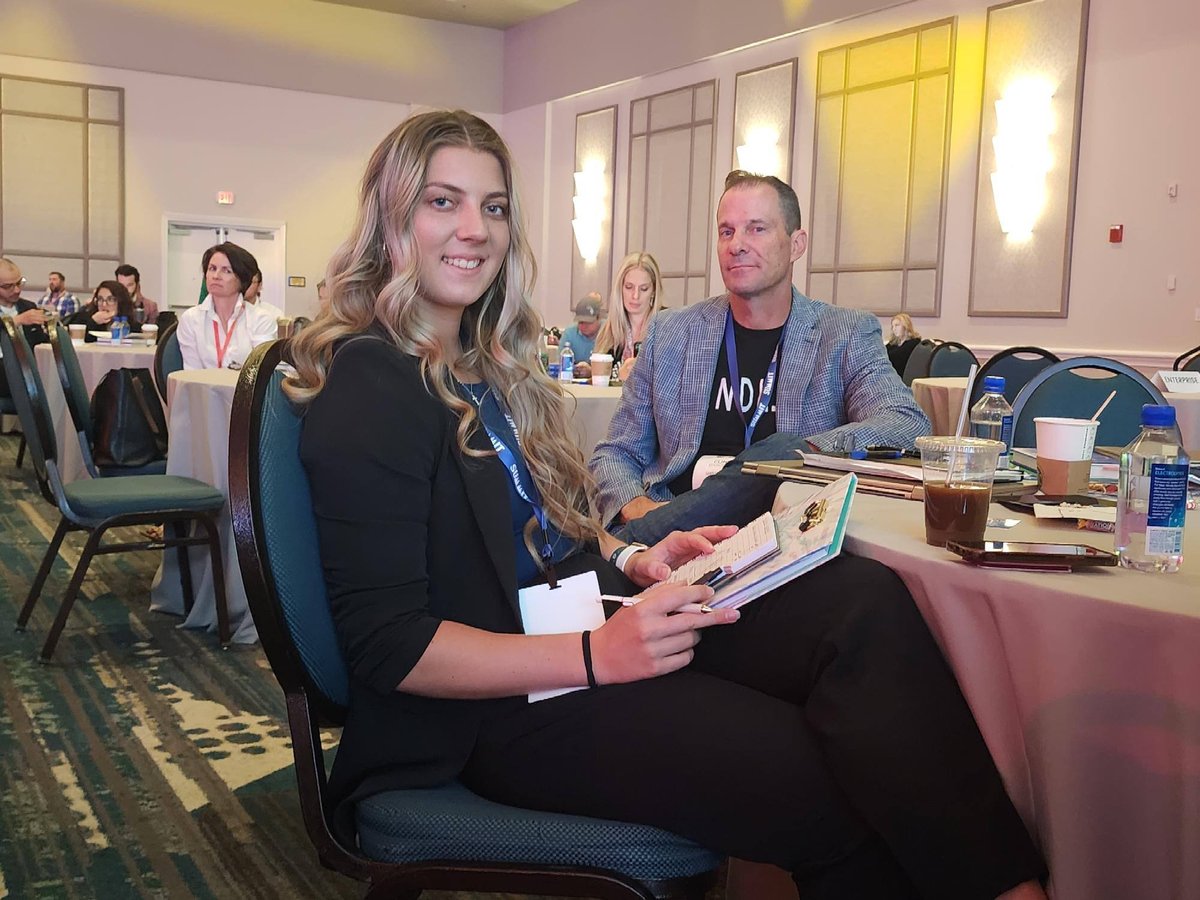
[61,276]
[241,260]
[789,204]
[127,270]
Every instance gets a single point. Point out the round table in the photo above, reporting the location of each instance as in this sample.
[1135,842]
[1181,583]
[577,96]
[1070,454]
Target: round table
[95,360]
[941,398]
[1086,688]
[594,408]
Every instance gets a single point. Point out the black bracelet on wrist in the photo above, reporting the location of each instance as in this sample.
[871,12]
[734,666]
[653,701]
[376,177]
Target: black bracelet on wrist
[612,557]
[587,659]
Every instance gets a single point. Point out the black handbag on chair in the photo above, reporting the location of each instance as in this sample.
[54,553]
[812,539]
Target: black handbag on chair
[130,426]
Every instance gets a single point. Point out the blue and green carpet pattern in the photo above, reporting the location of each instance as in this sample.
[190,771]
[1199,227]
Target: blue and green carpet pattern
[144,761]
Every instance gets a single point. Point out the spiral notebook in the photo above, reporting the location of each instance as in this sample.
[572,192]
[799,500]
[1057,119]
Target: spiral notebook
[774,549]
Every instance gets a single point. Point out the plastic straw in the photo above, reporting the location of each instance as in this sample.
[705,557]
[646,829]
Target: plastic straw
[1107,400]
[962,410]
[962,418]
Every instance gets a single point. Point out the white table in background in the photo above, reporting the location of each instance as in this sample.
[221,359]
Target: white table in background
[594,408]
[201,401]
[95,361]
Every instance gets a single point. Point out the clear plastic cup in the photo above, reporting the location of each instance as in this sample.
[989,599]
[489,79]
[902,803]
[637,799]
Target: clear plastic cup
[957,475]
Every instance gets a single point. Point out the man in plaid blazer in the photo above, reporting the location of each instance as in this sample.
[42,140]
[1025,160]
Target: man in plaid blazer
[832,378]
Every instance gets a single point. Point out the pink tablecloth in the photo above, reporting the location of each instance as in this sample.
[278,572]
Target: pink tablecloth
[1086,687]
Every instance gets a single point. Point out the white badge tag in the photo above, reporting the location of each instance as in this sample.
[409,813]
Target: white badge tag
[573,606]
[707,465]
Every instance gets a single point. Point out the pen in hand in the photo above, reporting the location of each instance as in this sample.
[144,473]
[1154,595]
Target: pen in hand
[633,601]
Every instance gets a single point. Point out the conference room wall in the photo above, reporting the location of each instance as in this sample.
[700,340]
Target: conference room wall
[288,156]
[1142,62]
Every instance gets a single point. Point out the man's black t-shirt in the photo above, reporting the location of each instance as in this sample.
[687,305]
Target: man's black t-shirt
[724,431]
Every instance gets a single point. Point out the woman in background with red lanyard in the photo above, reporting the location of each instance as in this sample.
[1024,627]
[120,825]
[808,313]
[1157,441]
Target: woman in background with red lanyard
[223,329]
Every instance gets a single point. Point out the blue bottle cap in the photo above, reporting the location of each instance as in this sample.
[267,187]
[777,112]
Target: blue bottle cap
[993,384]
[1157,416]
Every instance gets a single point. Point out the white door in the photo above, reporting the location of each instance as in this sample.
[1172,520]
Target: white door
[187,237]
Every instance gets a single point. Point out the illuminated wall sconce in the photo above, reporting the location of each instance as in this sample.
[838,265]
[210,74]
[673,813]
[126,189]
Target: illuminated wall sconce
[760,154]
[591,209]
[1024,123]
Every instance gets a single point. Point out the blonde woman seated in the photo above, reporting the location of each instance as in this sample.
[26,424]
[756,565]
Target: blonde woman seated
[818,728]
[636,294]
[903,339]
[222,330]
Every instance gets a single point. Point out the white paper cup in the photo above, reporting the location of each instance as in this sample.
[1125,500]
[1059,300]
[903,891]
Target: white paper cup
[602,366]
[1065,439]
[150,329]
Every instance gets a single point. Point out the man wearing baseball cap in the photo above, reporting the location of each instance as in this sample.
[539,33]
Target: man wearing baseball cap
[582,335]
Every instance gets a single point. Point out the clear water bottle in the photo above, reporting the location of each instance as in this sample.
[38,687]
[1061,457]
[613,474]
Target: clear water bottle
[116,329]
[124,328]
[992,417]
[566,359]
[1152,495]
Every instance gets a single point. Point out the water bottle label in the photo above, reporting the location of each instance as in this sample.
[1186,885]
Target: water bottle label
[1006,432]
[1166,508]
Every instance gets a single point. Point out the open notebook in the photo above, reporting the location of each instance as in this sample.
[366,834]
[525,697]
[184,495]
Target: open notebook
[774,549]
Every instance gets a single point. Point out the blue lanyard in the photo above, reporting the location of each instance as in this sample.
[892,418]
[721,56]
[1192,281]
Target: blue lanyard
[764,401]
[530,495]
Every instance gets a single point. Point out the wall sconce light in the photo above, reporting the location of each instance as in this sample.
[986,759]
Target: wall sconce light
[591,209]
[760,154]
[1024,122]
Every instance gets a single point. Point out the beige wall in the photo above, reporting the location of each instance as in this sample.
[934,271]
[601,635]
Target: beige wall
[288,156]
[301,45]
[1142,66]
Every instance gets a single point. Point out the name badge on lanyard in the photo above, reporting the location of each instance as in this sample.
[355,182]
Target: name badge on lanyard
[223,347]
[764,400]
[529,494]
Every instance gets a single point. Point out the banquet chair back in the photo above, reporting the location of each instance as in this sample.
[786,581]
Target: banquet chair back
[168,358]
[1188,361]
[443,837]
[1016,365]
[74,386]
[95,505]
[1062,389]
[951,359]
[918,362]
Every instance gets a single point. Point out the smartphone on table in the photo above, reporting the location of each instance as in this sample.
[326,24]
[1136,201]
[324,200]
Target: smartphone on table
[1026,555]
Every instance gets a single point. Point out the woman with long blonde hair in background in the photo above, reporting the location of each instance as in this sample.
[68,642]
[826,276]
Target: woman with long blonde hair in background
[447,491]
[637,293]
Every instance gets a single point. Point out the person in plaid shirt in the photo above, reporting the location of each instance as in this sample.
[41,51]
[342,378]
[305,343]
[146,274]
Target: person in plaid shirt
[57,298]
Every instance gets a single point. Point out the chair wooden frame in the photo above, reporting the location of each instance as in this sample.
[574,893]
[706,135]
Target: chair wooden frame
[42,443]
[308,707]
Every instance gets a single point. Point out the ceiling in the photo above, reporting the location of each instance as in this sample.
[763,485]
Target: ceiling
[488,13]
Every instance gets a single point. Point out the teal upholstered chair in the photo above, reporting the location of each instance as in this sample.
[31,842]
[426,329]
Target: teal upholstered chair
[1061,390]
[1016,365]
[70,375]
[444,838]
[918,362]
[1188,361]
[168,358]
[94,505]
[951,359]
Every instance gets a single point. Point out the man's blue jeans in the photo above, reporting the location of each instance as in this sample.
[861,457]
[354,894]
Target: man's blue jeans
[726,497]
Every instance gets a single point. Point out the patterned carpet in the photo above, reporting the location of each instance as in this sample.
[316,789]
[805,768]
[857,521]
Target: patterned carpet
[144,761]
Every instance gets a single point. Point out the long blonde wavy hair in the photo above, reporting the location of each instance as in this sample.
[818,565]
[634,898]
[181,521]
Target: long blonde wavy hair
[617,326]
[374,277]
